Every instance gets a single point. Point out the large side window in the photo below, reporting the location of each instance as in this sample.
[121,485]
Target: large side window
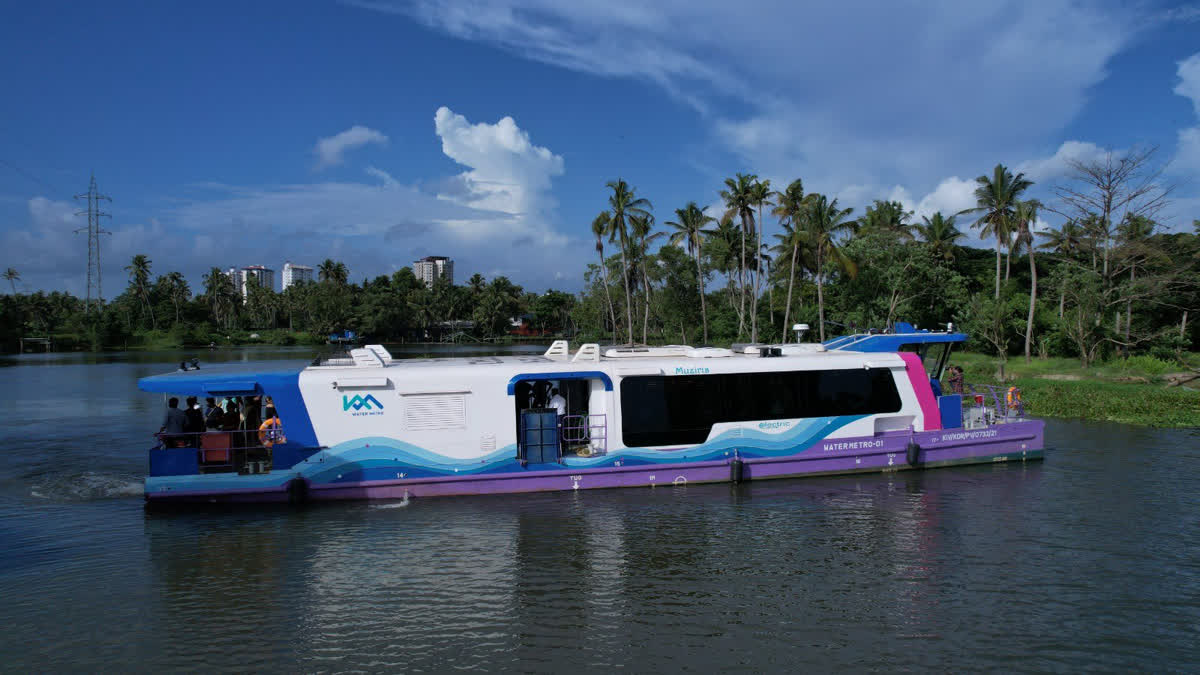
[659,411]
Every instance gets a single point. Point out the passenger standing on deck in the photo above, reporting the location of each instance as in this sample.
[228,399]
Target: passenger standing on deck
[195,421]
[560,409]
[212,413]
[252,414]
[955,380]
[173,424]
[232,419]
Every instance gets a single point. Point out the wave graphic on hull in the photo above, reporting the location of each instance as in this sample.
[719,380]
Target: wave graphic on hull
[378,458]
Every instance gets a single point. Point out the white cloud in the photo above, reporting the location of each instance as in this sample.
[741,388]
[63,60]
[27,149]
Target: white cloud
[330,150]
[952,195]
[820,92]
[507,173]
[1189,80]
[1187,155]
[1056,165]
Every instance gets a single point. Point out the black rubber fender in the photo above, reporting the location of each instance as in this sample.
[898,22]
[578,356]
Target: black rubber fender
[912,453]
[297,490]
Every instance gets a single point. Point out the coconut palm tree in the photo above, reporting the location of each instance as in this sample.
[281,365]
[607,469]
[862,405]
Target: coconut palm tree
[941,234]
[887,216]
[739,201]
[333,271]
[13,276]
[640,228]
[601,228]
[826,223]
[179,291]
[1025,216]
[623,203]
[760,193]
[220,293]
[689,229]
[1065,241]
[996,198]
[139,278]
[790,209]
[725,250]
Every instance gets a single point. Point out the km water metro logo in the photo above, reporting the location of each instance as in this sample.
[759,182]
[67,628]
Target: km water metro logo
[362,405]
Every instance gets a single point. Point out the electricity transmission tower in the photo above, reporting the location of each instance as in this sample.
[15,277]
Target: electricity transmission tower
[93,230]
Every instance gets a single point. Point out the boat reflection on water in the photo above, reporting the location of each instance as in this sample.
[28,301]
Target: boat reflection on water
[593,577]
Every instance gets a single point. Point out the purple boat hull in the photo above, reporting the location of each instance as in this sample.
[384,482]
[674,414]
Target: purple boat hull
[1018,440]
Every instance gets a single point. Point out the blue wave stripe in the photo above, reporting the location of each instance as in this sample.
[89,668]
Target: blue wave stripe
[379,458]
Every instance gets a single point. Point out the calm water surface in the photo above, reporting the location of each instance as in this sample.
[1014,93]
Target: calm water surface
[1089,560]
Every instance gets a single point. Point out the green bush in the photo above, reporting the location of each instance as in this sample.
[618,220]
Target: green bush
[1150,365]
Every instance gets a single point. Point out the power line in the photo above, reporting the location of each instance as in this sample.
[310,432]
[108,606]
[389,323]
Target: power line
[54,190]
[94,215]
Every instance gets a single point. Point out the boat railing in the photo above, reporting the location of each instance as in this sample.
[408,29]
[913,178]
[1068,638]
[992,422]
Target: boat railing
[992,404]
[242,450]
[589,429]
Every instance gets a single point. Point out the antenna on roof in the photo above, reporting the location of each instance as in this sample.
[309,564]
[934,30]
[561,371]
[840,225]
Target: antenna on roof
[800,329]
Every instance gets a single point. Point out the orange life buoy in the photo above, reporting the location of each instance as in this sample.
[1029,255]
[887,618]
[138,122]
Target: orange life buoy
[270,432]
[1013,397]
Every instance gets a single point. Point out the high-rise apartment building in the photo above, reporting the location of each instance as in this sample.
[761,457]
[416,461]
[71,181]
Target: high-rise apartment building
[294,274]
[262,276]
[434,267]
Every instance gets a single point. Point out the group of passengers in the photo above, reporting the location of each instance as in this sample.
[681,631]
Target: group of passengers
[251,419]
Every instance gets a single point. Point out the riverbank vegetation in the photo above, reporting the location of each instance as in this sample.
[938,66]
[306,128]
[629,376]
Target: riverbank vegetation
[1107,284]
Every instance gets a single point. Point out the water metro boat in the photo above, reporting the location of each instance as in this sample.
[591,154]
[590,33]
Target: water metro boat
[367,426]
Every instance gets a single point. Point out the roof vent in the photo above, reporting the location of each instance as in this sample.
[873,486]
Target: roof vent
[382,353]
[365,358]
[559,350]
[588,352]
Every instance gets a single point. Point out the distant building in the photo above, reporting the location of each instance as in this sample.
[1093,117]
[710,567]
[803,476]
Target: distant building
[263,276]
[434,267]
[294,274]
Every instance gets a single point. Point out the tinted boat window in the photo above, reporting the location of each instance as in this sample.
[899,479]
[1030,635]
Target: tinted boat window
[658,410]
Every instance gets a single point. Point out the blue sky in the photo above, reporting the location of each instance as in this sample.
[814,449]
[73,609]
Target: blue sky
[376,132]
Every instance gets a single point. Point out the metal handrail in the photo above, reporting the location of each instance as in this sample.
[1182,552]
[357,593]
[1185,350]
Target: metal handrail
[996,398]
[590,428]
[197,438]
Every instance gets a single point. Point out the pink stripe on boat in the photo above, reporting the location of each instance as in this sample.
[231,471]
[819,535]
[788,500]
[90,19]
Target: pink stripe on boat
[920,383]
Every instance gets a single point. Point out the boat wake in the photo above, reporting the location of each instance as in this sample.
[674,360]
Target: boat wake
[86,486]
[393,505]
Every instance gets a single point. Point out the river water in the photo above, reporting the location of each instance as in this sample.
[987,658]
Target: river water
[1088,560]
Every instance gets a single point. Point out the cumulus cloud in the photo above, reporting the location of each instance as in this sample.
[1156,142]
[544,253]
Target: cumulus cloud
[330,151]
[952,195]
[506,173]
[1058,164]
[1187,155]
[852,101]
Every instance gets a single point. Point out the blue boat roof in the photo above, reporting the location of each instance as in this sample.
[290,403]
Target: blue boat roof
[224,380]
[904,334]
